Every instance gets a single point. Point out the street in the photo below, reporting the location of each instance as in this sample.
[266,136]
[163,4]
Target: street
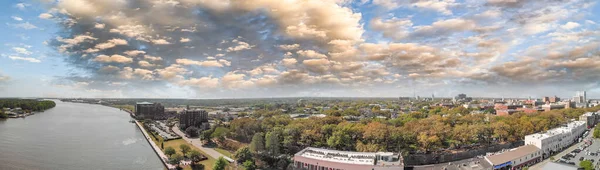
[593,148]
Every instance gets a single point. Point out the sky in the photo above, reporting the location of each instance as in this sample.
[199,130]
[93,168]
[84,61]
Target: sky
[298,48]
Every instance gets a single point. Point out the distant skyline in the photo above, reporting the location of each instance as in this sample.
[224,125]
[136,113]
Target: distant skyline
[296,48]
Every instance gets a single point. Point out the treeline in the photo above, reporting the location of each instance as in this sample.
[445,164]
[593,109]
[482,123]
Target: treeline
[27,104]
[273,136]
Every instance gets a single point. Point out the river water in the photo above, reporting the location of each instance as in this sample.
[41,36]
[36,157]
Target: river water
[75,136]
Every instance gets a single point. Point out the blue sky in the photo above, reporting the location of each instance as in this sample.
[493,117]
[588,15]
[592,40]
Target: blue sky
[362,48]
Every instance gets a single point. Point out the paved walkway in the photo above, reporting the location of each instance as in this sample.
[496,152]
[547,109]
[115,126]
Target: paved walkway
[160,153]
[198,143]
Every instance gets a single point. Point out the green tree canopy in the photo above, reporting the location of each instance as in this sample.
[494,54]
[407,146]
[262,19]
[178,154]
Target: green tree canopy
[272,143]
[587,165]
[243,154]
[184,148]
[195,156]
[249,165]
[175,159]
[220,164]
[169,151]
[258,143]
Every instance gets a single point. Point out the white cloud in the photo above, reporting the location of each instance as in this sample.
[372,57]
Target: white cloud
[289,47]
[133,53]
[113,59]
[21,6]
[570,25]
[183,40]
[289,62]
[17,18]
[207,63]
[240,46]
[29,59]
[311,54]
[45,16]
[99,26]
[160,42]
[25,25]
[146,64]
[21,50]
[111,43]
[201,83]
[152,58]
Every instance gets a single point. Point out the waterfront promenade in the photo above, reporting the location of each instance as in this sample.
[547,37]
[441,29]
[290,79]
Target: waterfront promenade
[198,143]
[159,152]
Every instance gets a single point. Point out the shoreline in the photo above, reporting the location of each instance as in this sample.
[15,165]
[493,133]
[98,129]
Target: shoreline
[156,149]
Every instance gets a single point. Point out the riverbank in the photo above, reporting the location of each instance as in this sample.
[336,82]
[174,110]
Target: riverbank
[164,159]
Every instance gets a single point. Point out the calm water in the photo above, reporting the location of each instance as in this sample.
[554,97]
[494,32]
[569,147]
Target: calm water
[75,136]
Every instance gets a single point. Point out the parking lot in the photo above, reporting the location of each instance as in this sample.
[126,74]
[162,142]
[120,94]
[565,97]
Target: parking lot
[575,160]
[584,154]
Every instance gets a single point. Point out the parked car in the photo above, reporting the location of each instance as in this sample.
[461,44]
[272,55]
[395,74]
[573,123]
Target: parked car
[581,158]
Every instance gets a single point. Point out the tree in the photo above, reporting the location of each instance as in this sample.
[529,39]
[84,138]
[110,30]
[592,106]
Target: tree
[243,154]
[184,148]
[195,156]
[169,151]
[587,165]
[597,131]
[258,143]
[249,165]
[192,131]
[219,133]
[220,164]
[273,145]
[205,135]
[175,159]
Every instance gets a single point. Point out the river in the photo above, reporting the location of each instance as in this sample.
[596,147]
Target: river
[75,136]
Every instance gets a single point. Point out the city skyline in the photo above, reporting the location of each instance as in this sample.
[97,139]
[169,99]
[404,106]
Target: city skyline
[313,48]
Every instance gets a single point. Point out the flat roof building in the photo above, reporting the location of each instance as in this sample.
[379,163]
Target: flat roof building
[195,118]
[325,159]
[557,139]
[591,119]
[515,158]
[147,110]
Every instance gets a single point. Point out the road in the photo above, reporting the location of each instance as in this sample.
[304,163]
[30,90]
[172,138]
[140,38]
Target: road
[594,147]
[198,143]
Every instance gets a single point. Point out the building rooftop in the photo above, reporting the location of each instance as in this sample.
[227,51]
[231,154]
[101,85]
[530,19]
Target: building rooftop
[512,154]
[559,130]
[348,157]
[589,114]
[144,103]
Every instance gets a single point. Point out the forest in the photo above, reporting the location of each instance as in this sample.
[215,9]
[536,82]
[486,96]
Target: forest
[274,137]
[27,104]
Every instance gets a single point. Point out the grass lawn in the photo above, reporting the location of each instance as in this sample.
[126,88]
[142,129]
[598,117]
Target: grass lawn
[224,152]
[208,164]
[128,107]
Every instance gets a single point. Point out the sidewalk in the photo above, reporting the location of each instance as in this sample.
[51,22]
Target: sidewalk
[160,153]
[198,143]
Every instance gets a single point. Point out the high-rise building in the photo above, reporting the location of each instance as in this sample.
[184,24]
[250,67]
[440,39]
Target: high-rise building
[580,97]
[195,118]
[147,110]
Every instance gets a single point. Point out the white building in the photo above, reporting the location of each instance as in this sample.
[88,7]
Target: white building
[325,159]
[556,139]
